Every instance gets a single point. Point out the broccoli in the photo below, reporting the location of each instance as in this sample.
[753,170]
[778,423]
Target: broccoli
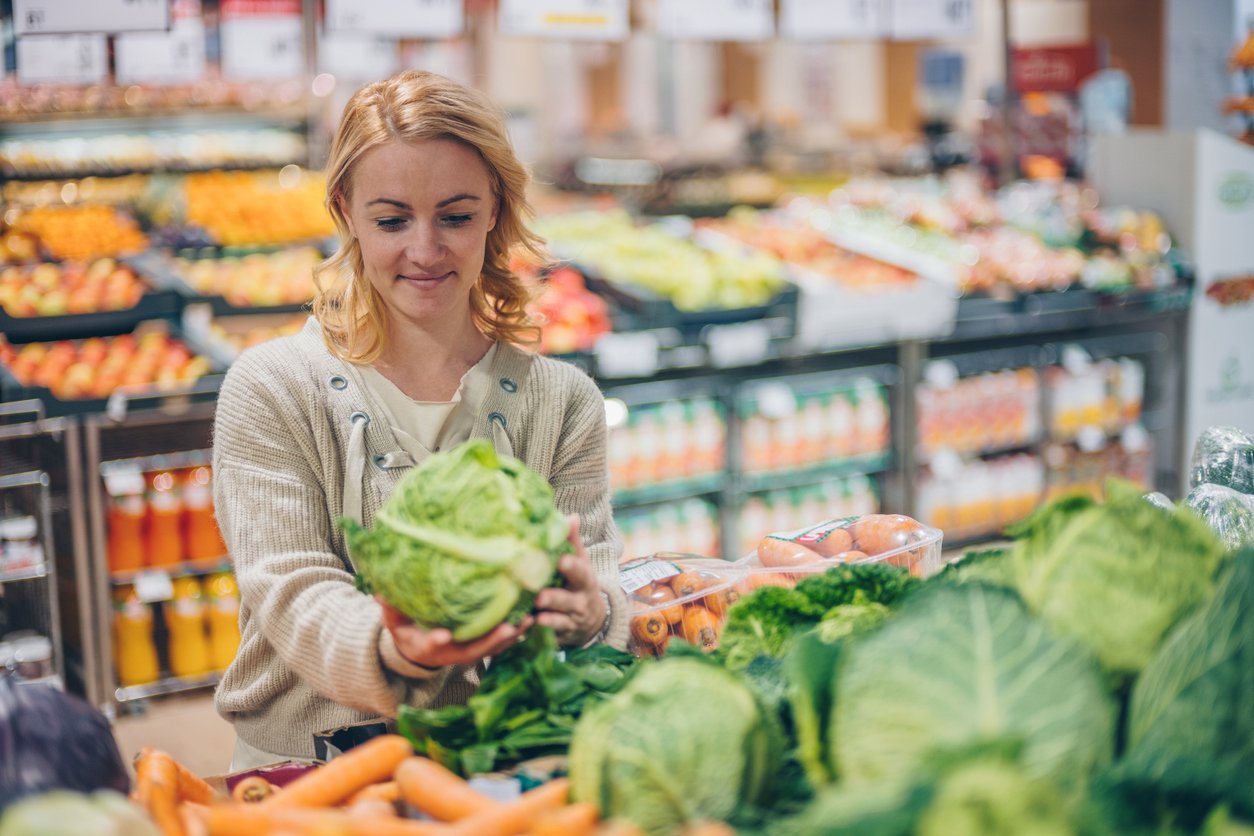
[872,583]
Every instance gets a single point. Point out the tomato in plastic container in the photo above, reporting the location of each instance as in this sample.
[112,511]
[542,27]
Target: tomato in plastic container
[678,596]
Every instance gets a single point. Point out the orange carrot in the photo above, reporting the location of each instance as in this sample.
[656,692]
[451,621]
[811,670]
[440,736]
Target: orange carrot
[701,627]
[718,602]
[372,808]
[192,787]
[833,543]
[369,763]
[387,791]
[661,594]
[194,818]
[514,818]
[649,630]
[574,820]
[157,786]
[264,819]
[876,534]
[252,789]
[438,792]
[774,552]
[690,583]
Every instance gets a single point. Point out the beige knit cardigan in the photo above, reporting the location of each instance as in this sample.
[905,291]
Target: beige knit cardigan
[293,429]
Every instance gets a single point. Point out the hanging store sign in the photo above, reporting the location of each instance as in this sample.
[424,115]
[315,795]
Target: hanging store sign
[716,20]
[174,57]
[1055,69]
[918,20]
[357,57]
[32,17]
[397,19]
[593,20]
[833,20]
[62,59]
[262,40]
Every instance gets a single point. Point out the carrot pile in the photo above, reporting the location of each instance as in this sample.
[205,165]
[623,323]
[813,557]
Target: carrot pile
[691,605]
[359,793]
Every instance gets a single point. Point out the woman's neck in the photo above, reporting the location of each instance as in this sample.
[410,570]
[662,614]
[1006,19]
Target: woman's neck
[429,364]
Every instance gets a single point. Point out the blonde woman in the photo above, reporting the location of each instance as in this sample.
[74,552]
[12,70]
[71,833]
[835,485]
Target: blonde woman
[414,347]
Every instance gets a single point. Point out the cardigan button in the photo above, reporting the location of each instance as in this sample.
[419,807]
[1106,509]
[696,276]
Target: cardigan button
[509,385]
[499,419]
[337,382]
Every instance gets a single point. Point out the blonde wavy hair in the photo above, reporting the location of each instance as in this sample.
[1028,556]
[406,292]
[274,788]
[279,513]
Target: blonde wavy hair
[410,106]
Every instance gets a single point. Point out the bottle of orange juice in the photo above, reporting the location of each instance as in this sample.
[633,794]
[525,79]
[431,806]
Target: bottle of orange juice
[134,653]
[125,548]
[203,542]
[223,597]
[165,520]
[185,620]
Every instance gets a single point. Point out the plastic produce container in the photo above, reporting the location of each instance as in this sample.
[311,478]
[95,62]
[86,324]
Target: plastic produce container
[678,596]
[784,558]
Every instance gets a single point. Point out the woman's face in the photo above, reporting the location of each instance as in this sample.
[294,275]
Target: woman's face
[421,212]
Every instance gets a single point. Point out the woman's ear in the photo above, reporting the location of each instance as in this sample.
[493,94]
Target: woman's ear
[342,205]
[496,211]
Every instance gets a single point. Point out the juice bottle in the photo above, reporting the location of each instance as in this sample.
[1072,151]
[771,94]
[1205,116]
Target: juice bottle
[134,654]
[165,519]
[223,618]
[203,541]
[125,547]
[185,620]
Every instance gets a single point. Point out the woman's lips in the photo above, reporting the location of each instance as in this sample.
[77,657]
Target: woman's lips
[424,281]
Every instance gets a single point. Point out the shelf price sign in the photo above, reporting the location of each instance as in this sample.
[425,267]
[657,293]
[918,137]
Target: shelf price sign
[717,20]
[62,59]
[594,20]
[354,56]
[174,57]
[397,19]
[832,20]
[916,20]
[262,39]
[31,17]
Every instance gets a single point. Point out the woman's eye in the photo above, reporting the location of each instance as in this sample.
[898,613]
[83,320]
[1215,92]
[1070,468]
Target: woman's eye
[389,224]
[458,220]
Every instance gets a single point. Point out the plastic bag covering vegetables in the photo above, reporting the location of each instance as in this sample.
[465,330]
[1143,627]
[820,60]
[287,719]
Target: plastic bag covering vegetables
[1113,576]
[958,666]
[1224,456]
[465,541]
[1228,513]
[62,813]
[52,740]
[684,741]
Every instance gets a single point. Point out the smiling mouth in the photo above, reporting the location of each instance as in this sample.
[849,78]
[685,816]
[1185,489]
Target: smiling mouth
[424,281]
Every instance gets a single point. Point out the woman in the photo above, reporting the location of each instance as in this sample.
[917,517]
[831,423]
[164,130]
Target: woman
[413,348]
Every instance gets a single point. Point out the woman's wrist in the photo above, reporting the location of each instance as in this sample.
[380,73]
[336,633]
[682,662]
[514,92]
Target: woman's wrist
[606,621]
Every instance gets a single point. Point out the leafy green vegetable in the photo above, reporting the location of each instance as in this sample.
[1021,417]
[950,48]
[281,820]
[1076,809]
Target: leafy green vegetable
[761,623]
[959,665]
[464,542]
[1224,456]
[1117,576]
[1228,513]
[991,566]
[64,813]
[526,705]
[684,741]
[1191,717]
[811,666]
[848,619]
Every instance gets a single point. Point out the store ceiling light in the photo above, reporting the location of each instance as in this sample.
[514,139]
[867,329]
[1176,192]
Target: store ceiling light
[615,412]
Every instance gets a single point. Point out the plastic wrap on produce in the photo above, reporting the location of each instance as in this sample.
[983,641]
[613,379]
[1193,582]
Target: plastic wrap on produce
[1224,456]
[1229,513]
[1160,500]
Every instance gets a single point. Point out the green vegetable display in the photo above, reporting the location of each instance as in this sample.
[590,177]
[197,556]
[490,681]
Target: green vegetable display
[1114,576]
[465,541]
[960,665]
[1224,456]
[684,741]
[525,707]
[1228,513]
[64,813]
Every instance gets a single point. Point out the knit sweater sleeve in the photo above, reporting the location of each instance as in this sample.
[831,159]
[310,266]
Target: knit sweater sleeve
[274,516]
[581,485]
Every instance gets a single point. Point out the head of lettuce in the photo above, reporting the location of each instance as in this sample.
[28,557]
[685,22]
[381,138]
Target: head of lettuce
[465,541]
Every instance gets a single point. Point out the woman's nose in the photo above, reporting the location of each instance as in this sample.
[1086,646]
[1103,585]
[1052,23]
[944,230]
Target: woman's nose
[424,246]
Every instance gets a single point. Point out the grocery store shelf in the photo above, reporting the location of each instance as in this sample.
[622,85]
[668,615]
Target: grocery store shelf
[1026,446]
[187,569]
[162,461]
[40,571]
[786,479]
[169,685]
[972,540]
[981,318]
[670,491]
[155,168]
[54,680]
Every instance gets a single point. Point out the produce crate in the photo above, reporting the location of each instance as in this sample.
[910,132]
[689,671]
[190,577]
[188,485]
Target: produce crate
[678,596]
[156,304]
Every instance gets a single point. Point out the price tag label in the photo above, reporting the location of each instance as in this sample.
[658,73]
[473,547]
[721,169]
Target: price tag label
[124,481]
[153,585]
[62,59]
[831,20]
[628,355]
[174,57]
[743,344]
[597,20]
[357,57]
[397,18]
[717,20]
[916,20]
[89,16]
[1076,360]
[639,573]
[263,47]
[776,400]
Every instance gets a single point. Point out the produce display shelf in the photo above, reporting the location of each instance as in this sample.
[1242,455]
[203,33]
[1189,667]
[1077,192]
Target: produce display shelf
[670,491]
[168,685]
[187,569]
[755,482]
[1026,446]
[157,304]
[34,573]
[990,539]
[160,461]
[156,168]
[982,317]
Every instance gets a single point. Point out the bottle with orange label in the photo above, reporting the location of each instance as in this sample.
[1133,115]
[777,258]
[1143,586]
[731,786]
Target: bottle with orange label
[202,539]
[134,653]
[164,520]
[223,616]
[185,621]
[125,547]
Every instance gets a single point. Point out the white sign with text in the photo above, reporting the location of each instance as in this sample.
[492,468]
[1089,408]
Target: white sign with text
[831,20]
[262,48]
[32,17]
[62,59]
[716,20]
[602,20]
[917,20]
[174,57]
[397,19]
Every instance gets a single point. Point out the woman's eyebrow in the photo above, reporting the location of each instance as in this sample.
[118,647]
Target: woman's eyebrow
[398,204]
[455,198]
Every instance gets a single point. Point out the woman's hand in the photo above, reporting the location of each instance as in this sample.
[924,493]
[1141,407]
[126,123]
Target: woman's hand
[436,648]
[577,611]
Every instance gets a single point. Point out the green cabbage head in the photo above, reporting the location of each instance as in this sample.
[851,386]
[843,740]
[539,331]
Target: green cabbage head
[684,741]
[465,541]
